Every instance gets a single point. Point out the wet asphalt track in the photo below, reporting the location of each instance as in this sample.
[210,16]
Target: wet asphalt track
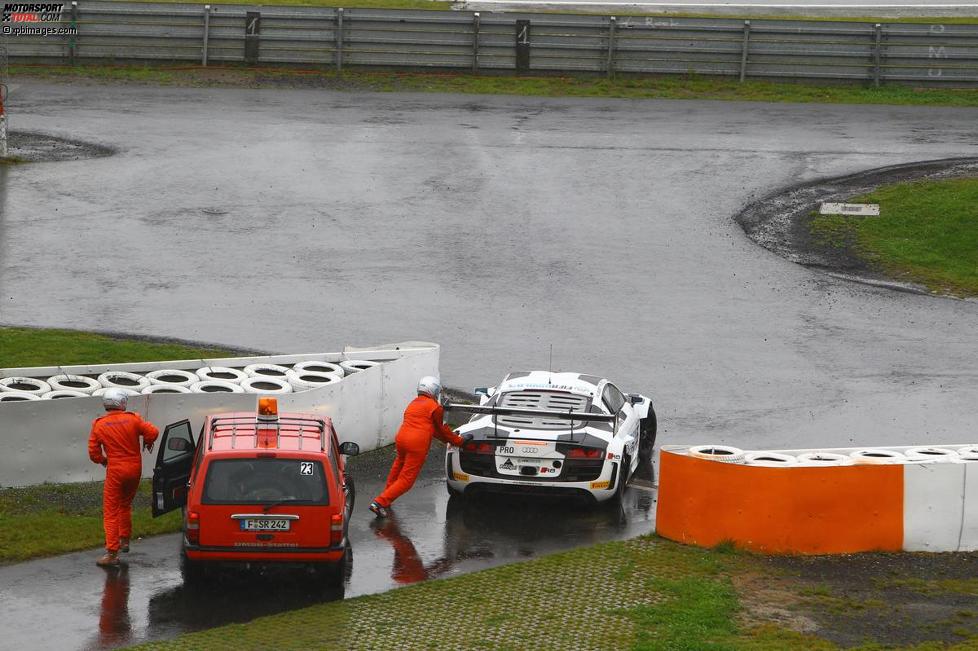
[303,220]
[68,603]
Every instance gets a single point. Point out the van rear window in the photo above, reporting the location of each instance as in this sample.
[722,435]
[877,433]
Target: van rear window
[264,481]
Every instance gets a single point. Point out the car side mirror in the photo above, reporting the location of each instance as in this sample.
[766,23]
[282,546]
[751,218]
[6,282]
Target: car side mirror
[481,391]
[635,399]
[178,445]
[349,448]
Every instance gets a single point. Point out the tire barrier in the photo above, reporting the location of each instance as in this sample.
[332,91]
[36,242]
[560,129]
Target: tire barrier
[266,370]
[836,501]
[221,374]
[57,395]
[215,386]
[356,365]
[266,385]
[123,380]
[303,380]
[721,453]
[69,382]
[128,392]
[17,396]
[25,385]
[770,459]
[172,376]
[320,367]
[164,387]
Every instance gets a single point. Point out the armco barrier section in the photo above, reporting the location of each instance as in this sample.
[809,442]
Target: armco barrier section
[338,37]
[46,440]
[802,509]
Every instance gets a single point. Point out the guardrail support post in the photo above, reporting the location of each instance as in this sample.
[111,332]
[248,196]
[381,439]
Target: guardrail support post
[252,31]
[743,51]
[338,37]
[612,25]
[207,29]
[877,53]
[73,38]
[475,41]
[522,46]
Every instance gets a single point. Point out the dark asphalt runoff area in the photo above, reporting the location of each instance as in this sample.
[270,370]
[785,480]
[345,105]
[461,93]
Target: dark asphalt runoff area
[305,220]
[68,603]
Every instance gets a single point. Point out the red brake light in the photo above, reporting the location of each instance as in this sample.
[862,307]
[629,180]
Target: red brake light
[193,527]
[584,453]
[479,447]
[336,529]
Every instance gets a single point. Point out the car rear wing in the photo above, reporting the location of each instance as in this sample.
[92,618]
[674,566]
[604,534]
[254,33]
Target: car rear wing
[548,413]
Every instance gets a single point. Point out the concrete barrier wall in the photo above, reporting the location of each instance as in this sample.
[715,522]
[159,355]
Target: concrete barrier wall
[46,440]
[802,509]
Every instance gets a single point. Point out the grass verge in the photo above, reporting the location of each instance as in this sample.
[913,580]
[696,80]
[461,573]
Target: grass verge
[643,87]
[645,594]
[927,233]
[53,519]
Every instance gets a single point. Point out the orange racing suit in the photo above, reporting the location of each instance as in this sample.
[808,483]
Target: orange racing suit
[114,443]
[422,421]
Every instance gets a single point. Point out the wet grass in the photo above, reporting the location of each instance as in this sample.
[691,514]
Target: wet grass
[50,519]
[629,87]
[50,347]
[927,233]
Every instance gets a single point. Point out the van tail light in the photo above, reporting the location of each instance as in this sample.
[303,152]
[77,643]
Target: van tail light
[336,529]
[584,453]
[193,527]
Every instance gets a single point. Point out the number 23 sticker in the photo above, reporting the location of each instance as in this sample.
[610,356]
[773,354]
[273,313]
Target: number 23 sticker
[305,467]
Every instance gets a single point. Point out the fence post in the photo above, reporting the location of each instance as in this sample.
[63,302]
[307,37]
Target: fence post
[877,53]
[743,51]
[338,36]
[522,45]
[73,38]
[612,25]
[475,41]
[207,29]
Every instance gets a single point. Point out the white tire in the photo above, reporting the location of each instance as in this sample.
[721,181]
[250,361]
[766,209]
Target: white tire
[266,370]
[164,387]
[25,385]
[877,456]
[824,459]
[123,380]
[770,459]
[721,453]
[221,374]
[17,396]
[968,453]
[304,380]
[57,395]
[933,455]
[172,376]
[266,385]
[319,367]
[355,365]
[215,386]
[129,392]
[73,383]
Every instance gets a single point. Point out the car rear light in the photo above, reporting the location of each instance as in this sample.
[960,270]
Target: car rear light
[479,447]
[336,529]
[584,453]
[193,527]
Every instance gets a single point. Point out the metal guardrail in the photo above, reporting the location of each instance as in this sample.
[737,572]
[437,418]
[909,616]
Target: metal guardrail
[326,36]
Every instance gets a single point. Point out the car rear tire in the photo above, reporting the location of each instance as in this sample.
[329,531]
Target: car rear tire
[647,432]
[193,572]
[623,476]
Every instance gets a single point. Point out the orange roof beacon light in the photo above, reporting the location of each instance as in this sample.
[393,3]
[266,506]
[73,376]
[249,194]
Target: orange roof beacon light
[267,408]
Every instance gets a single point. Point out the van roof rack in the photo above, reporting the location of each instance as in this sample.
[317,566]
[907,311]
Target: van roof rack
[315,425]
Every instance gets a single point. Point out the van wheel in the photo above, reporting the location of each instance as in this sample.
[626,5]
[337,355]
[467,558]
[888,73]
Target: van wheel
[193,572]
[334,574]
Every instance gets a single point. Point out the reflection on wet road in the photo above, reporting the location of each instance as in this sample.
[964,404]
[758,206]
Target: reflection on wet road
[69,603]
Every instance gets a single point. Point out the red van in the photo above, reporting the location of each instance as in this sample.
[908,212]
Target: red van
[258,488]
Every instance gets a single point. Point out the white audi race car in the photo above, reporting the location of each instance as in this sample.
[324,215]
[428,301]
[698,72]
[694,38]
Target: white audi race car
[554,433]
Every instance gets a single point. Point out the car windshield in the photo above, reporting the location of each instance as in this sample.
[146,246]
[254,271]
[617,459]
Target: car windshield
[264,481]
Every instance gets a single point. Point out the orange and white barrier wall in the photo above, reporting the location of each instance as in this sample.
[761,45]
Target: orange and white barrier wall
[801,509]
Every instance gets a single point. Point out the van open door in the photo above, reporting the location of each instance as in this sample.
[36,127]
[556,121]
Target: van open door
[174,462]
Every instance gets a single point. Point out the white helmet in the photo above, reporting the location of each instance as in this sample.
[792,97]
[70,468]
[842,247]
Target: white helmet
[430,386]
[115,399]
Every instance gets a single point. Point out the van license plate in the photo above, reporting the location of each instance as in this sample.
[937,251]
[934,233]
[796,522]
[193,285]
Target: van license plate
[265,525]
